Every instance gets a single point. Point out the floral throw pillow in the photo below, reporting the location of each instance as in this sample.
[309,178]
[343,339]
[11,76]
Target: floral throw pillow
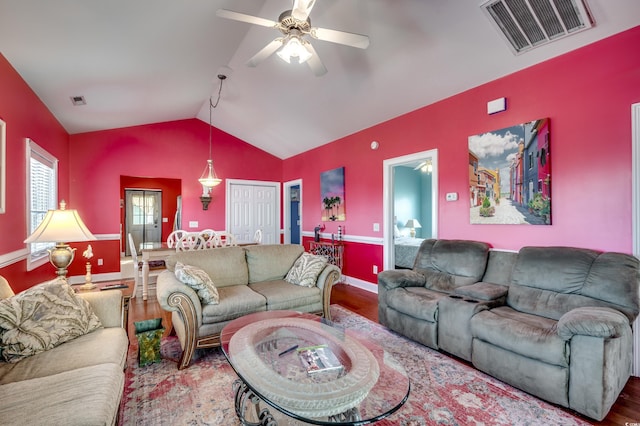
[41,318]
[306,270]
[198,280]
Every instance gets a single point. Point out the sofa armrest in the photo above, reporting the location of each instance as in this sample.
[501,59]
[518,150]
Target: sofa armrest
[592,321]
[107,305]
[394,278]
[175,296]
[483,291]
[327,278]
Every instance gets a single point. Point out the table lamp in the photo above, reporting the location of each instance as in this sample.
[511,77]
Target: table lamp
[412,224]
[58,226]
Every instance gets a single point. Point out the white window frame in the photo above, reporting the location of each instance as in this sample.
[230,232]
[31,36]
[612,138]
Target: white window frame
[34,151]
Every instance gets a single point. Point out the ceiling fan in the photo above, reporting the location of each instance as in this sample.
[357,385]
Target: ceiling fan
[295,26]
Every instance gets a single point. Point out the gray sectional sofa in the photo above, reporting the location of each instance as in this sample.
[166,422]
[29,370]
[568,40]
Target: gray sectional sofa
[552,321]
[248,279]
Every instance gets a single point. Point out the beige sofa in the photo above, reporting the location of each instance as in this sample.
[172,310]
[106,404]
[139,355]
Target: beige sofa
[79,382]
[248,279]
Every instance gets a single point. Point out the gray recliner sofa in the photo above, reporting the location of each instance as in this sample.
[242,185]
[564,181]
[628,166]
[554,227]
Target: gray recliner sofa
[552,321]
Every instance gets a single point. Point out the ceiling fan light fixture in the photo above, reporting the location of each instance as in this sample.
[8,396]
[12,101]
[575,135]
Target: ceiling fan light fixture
[294,47]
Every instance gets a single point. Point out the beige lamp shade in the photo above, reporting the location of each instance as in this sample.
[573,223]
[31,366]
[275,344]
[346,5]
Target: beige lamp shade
[61,225]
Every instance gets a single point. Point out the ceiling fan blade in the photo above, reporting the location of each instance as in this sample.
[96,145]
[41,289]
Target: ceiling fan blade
[314,61]
[236,16]
[341,37]
[265,52]
[302,9]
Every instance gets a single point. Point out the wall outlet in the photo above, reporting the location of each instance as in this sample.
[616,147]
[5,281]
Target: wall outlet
[376,227]
[375,269]
[452,196]
[165,220]
[193,224]
[100,262]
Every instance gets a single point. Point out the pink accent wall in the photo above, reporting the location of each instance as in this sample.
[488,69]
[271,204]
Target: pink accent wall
[587,94]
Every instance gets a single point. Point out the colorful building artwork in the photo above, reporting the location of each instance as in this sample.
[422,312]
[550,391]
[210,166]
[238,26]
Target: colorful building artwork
[510,175]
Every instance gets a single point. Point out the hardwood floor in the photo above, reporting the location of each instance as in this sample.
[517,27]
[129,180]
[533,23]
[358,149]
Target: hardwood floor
[625,412]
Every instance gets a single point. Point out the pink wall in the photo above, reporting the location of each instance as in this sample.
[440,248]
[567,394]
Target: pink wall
[170,150]
[26,117]
[587,94]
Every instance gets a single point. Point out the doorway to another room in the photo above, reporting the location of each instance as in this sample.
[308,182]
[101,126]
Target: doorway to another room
[410,206]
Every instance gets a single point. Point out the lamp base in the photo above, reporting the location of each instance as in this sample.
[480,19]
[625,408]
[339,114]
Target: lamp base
[88,285]
[412,233]
[61,257]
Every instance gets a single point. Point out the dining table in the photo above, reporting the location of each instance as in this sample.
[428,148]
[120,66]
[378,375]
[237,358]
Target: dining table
[152,251]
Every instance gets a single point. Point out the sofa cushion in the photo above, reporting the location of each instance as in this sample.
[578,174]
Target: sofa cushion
[282,295]
[448,264]
[418,302]
[225,265]
[268,262]
[82,396]
[42,317]
[104,345]
[306,269]
[528,335]
[235,301]
[198,280]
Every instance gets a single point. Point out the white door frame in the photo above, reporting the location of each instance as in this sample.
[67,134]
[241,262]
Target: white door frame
[228,213]
[635,212]
[286,208]
[387,199]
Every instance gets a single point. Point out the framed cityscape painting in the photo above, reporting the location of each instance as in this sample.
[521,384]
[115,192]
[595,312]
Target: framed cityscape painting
[510,175]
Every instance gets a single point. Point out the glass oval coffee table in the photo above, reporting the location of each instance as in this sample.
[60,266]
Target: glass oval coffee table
[294,365]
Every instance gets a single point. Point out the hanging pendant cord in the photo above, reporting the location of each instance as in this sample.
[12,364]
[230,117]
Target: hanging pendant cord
[222,77]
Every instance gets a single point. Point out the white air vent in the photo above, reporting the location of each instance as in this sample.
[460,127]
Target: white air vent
[531,23]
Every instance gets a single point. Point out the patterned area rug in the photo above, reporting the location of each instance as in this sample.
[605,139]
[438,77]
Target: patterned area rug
[443,390]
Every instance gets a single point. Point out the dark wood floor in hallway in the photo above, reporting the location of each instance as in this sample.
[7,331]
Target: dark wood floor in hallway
[625,412]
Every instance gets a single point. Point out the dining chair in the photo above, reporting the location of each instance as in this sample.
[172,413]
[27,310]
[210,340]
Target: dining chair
[137,266]
[174,237]
[227,239]
[191,241]
[257,237]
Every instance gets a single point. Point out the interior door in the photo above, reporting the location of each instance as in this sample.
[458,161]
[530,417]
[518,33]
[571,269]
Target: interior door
[253,207]
[143,213]
[294,214]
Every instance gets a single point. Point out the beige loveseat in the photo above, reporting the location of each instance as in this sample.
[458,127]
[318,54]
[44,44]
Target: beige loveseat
[248,279]
[79,382]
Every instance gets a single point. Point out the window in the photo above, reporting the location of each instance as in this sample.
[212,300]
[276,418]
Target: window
[42,193]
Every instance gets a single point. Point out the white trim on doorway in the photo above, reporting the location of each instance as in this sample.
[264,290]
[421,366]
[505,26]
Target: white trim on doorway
[387,201]
[635,214]
[286,208]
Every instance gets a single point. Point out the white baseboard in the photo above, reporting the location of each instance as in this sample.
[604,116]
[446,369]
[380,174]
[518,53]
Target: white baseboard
[364,285]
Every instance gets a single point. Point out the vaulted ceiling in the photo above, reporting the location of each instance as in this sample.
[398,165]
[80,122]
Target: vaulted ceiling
[146,61]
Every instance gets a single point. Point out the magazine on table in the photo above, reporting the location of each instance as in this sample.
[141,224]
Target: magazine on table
[318,359]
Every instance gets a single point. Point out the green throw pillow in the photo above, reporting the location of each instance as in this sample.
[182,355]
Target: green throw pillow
[41,318]
[306,270]
[198,280]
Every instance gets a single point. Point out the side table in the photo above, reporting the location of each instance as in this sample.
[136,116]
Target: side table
[127,292]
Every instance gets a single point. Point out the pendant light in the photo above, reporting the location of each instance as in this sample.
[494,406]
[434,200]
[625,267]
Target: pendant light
[209,179]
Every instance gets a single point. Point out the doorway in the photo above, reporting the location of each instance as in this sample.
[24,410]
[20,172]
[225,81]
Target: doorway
[143,213]
[293,212]
[410,193]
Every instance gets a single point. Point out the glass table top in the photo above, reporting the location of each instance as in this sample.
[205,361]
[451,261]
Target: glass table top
[314,370]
